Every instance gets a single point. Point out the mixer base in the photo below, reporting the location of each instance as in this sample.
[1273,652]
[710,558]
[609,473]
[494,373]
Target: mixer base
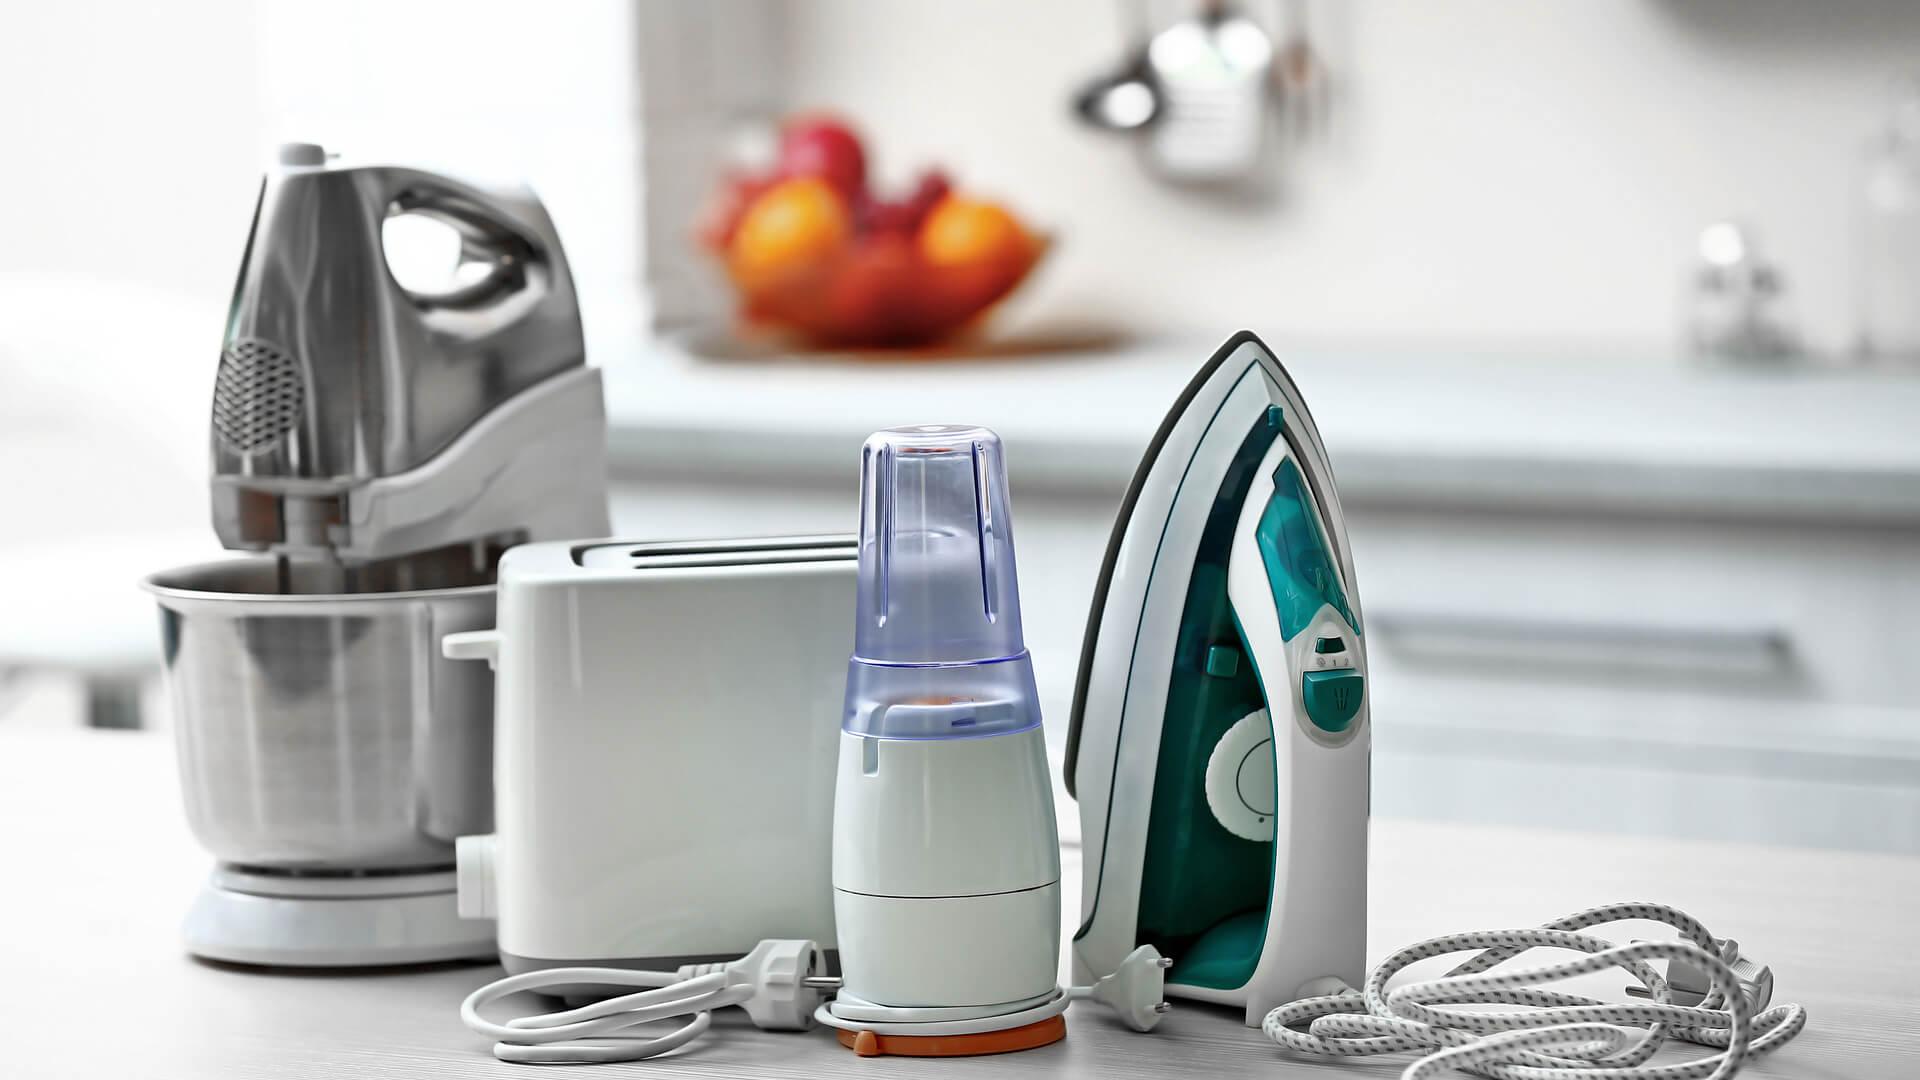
[332,922]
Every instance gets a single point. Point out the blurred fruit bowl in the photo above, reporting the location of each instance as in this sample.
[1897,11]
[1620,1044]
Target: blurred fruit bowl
[811,251]
[880,291]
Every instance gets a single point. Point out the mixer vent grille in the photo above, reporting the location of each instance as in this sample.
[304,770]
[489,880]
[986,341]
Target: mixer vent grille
[257,395]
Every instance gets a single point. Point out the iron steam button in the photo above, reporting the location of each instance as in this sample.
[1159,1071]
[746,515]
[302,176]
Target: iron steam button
[1332,697]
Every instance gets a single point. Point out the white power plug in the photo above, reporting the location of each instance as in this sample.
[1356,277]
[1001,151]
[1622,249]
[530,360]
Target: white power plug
[785,979]
[1136,990]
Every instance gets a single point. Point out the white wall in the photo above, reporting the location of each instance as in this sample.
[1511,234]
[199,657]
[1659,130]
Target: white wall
[540,93]
[134,133]
[1508,171]
[133,137]
[129,134]
[707,72]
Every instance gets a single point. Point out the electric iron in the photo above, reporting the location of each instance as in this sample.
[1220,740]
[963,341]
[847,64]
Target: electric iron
[1219,742]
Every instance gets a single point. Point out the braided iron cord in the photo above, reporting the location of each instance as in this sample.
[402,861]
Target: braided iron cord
[1556,1036]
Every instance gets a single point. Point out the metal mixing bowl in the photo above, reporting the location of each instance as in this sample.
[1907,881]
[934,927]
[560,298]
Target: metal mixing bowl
[324,731]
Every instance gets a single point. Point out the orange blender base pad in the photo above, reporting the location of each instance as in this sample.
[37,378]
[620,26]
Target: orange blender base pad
[1026,1037]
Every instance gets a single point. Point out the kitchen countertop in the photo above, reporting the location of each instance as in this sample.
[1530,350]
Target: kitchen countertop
[97,982]
[1439,428]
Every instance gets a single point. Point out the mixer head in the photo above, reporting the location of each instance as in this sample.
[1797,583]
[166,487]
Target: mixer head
[355,419]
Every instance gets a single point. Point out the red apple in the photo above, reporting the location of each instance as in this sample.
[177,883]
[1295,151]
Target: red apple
[824,147]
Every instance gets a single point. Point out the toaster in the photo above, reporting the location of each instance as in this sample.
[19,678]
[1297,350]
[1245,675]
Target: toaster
[667,723]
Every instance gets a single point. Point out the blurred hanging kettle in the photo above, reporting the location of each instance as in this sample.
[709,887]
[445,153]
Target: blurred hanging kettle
[1200,94]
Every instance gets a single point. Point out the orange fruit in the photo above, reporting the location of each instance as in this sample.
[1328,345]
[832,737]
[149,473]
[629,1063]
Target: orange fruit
[970,232]
[975,253]
[787,232]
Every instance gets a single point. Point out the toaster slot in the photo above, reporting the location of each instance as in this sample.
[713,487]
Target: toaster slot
[716,553]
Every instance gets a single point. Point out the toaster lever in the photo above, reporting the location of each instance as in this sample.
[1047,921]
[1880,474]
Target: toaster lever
[472,645]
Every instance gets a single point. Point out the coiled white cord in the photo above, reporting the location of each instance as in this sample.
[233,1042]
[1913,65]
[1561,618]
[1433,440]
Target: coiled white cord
[778,983]
[527,1039]
[781,986]
[1559,1036]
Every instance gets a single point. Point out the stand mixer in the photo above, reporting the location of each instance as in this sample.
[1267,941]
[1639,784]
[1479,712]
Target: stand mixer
[376,448]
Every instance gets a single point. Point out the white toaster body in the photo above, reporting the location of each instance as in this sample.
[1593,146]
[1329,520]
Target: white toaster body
[667,723]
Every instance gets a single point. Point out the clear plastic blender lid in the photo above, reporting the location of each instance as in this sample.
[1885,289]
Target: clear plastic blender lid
[938,647]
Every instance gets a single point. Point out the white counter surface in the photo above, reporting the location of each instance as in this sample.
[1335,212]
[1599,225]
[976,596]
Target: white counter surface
[98,986]
[1401,426]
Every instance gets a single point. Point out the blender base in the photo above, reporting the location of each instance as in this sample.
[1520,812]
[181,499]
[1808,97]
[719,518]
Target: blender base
[274,920]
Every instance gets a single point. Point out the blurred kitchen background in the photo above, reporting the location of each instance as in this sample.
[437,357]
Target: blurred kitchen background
[1608,313]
